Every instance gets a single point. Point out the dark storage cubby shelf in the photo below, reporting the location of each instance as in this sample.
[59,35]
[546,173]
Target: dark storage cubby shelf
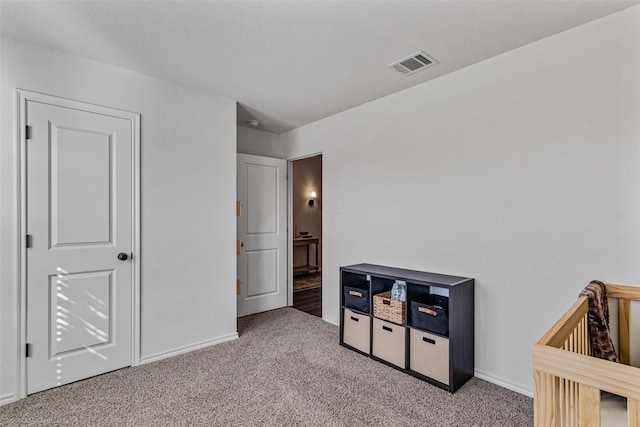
[431,314]
[356,296]
[443,359]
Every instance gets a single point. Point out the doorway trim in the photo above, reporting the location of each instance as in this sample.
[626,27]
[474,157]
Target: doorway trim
[290,226]
[22,97]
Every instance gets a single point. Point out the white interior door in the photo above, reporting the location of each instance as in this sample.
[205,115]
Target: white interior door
[79,175]
[262,229]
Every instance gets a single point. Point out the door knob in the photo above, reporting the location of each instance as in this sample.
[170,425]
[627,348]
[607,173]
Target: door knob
[122,256]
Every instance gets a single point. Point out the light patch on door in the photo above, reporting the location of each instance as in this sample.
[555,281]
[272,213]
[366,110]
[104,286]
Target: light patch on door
[81,307]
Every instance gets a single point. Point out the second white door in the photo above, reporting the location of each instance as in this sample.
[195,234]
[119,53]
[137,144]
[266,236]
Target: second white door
[262,232]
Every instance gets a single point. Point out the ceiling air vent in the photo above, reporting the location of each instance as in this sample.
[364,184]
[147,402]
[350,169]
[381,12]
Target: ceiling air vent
[413,63]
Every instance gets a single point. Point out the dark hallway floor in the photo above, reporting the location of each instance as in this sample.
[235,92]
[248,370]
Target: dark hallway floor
[307,294]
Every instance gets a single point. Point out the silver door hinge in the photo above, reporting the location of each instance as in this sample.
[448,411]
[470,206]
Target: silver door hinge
[27,132]
[28,350]
[28,241]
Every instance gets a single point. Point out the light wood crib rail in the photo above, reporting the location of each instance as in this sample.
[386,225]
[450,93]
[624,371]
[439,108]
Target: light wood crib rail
[568,381]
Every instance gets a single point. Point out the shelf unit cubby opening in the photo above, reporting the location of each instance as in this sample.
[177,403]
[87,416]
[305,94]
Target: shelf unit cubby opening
[422,293]
[353,282]
[380,285]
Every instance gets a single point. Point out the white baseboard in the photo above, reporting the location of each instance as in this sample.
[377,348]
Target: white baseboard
[504,383]
[7,398]
[332,321]
[188,348]
[480,374]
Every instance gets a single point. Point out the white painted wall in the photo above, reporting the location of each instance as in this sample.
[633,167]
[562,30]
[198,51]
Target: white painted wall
[188,198]
[259,143]
[522,171]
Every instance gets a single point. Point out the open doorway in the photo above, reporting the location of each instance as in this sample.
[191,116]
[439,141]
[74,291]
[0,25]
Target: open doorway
[306,201]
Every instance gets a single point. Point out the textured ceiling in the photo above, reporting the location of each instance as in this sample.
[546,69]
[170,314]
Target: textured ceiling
[289,63]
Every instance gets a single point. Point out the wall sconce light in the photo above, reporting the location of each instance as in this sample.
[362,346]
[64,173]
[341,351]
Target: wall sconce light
[312,199]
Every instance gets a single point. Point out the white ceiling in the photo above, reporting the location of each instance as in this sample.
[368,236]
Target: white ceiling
[289,63]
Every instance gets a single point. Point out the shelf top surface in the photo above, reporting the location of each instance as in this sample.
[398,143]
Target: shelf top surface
[408,275]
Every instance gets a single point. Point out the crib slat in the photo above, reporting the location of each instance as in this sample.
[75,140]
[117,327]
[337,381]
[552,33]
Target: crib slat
[585,336]
[586,343]
[562,402]
[589,406]
[624,307]
[570,342]
[633,412]
[580,338]
[588,337]
[572,403]
[564,392]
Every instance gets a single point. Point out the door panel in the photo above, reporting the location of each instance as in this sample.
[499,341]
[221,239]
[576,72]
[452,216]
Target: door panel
[262,193]
[79,213]
[262,272]
[262,264]
[76,327]
[81,209]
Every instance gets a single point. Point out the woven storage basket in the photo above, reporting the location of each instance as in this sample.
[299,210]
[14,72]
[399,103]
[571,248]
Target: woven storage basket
[385,308]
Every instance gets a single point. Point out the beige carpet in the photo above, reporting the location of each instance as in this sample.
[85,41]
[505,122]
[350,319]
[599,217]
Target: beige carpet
[286,369]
